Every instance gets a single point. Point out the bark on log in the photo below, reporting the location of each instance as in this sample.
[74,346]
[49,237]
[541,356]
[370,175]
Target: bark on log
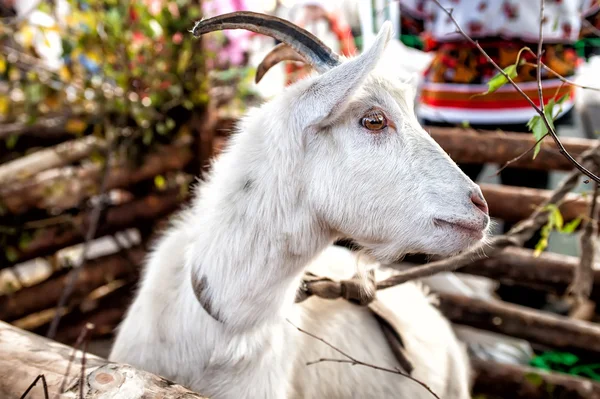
[65,188]
[513,204]
[549,272]
[496,147]
[521,322]
[105,312]
[52,239]
[55,125]
[520,382]
[501,147]
[95,273]
[24,356]
[49,158]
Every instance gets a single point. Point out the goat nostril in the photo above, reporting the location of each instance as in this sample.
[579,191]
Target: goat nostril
[479,202]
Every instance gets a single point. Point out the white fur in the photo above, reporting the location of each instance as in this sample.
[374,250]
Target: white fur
[300,173]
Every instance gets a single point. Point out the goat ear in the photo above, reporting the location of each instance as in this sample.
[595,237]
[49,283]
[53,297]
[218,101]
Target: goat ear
[325,99]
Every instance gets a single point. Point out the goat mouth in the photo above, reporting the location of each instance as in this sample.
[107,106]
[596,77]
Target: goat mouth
[461,227]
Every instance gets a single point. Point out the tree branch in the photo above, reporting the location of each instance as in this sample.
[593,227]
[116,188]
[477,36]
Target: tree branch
[539,110]
[583,282]
[353,361]
[539,55]
[33,384]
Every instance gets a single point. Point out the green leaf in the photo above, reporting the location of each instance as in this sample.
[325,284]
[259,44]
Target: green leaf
[33,93]
[157,30]
[500,80]
[24,240]
[555,24]
[571,226]
[537,127]
[161,128]
[562,99]
[558,219]
[11,141]
[549,112]
[11,254]
[113,20]
[534,379]
[170,123]
[541,245]
[160,182]
[148,136]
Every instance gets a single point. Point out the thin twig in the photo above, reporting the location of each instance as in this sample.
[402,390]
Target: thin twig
[516,159]
[88,327]
[125,252]
[583,280]
[591,27]
[354,361]
[539,55]
[89,236]
[562,78]
[44,384]
[84,332]
[539,110]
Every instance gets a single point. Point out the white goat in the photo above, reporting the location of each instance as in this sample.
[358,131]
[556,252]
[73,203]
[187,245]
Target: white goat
[339,154]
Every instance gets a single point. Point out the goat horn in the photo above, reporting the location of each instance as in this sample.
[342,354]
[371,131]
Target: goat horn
[316,53]
[279,53]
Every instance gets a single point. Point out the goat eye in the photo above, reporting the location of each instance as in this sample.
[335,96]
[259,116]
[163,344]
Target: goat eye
[374,121]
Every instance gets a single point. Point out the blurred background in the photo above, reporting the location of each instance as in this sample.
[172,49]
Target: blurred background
[110,110]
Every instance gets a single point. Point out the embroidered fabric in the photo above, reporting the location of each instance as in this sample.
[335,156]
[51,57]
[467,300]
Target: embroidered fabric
[458,74]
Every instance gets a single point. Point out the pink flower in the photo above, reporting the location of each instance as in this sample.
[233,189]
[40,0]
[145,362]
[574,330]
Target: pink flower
[177,38]
[238,39]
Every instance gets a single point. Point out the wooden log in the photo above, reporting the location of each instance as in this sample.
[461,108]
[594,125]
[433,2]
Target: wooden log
[49,158]
[52,239]
[65,188]
[521,322]
[549,272]
[513,204]
[54,125]
[105,312]
[24,356]
[95,273]
[481,146]
[520,382]
[500,147]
